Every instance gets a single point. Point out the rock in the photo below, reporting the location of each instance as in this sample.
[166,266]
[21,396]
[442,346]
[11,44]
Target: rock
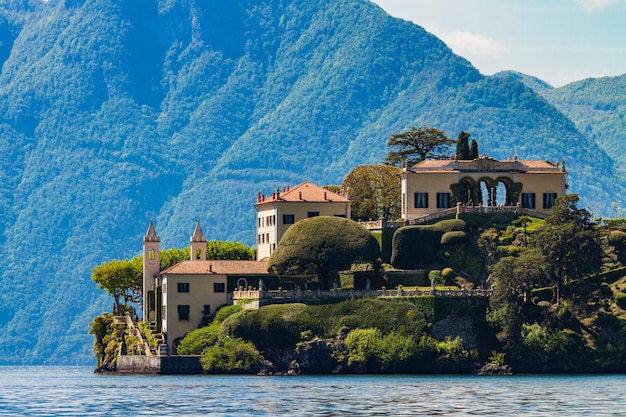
[106,368]
[315,357]
[490,369]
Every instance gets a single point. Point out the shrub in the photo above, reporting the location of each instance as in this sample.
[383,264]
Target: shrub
[448,273]
[620,300]
[414,246]
[232,355]
[496,358]
[452,225]
[196,341]
[361,345]
[617,238]
[453,237]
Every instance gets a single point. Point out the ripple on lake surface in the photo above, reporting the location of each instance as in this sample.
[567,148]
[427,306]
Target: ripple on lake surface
[76,391]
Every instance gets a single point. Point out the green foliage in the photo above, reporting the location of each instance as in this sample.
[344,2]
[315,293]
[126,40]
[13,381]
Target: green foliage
[569,242]
[435,278]
[448,273]
[620,300]
[228,250]
[107,335]
[496,358]
[413,246]
[416,145]
[374,191]
[153,339]
[462,147]
[385,238]
[123,281]
[617,238]
[282,325]
[323,245]
[416,246]
[561,348]
[196,341]
[453,237]
[232,355]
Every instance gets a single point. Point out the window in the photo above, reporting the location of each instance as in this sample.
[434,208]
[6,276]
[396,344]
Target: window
[528,200]
[421,200]
[548,200]
[206,310]
[183,287]
[219,287]
[288,219]
[183,312]
[242,283]
[313,214]
[443,200]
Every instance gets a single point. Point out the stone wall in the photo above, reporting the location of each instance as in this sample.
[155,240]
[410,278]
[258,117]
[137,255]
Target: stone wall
[163,365]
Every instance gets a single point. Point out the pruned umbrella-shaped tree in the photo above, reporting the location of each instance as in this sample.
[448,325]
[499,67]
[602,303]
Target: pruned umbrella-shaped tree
[323,245]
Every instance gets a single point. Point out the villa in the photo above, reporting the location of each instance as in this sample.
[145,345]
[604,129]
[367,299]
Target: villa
[277,213]
[180,297]
[433,186]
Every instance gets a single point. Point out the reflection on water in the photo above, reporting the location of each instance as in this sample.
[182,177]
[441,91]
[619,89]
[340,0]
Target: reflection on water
[76,391]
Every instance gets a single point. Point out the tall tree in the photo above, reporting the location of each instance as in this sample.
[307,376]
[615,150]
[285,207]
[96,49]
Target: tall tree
[122,280]
[570,242]
[416,145]
[512,280]
[474,150]
[462,147]
[374,191]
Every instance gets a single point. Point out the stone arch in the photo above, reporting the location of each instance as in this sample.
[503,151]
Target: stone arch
[466,191]
[509,185]
[491,185]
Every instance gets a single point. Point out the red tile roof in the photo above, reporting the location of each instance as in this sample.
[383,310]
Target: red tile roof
[305,192]
[218,267]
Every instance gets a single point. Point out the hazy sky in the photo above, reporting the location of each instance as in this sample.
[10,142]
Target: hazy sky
[559,41]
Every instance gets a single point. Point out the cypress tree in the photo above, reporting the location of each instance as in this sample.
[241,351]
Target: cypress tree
[462,147]
[474,150]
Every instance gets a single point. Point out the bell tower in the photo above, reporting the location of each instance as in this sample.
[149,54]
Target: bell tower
[151,267]
[198,244]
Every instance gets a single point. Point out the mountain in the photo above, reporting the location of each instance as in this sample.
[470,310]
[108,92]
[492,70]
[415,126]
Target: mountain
[596,105]
[114,112]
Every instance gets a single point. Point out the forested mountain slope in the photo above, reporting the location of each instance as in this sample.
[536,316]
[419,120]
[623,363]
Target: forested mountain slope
[596,105]
[116,111]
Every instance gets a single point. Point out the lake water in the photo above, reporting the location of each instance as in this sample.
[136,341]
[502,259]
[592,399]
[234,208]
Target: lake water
[76,391]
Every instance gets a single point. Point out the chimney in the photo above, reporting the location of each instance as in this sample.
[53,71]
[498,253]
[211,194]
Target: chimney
[258,197]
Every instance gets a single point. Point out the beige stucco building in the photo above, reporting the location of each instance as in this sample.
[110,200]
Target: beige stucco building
[181,296]
[275,214]
[435,185]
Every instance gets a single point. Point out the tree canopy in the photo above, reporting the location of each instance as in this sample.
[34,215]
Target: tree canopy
[122,280]
[569,241]
[374,191]
[323,245]
[416,145]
